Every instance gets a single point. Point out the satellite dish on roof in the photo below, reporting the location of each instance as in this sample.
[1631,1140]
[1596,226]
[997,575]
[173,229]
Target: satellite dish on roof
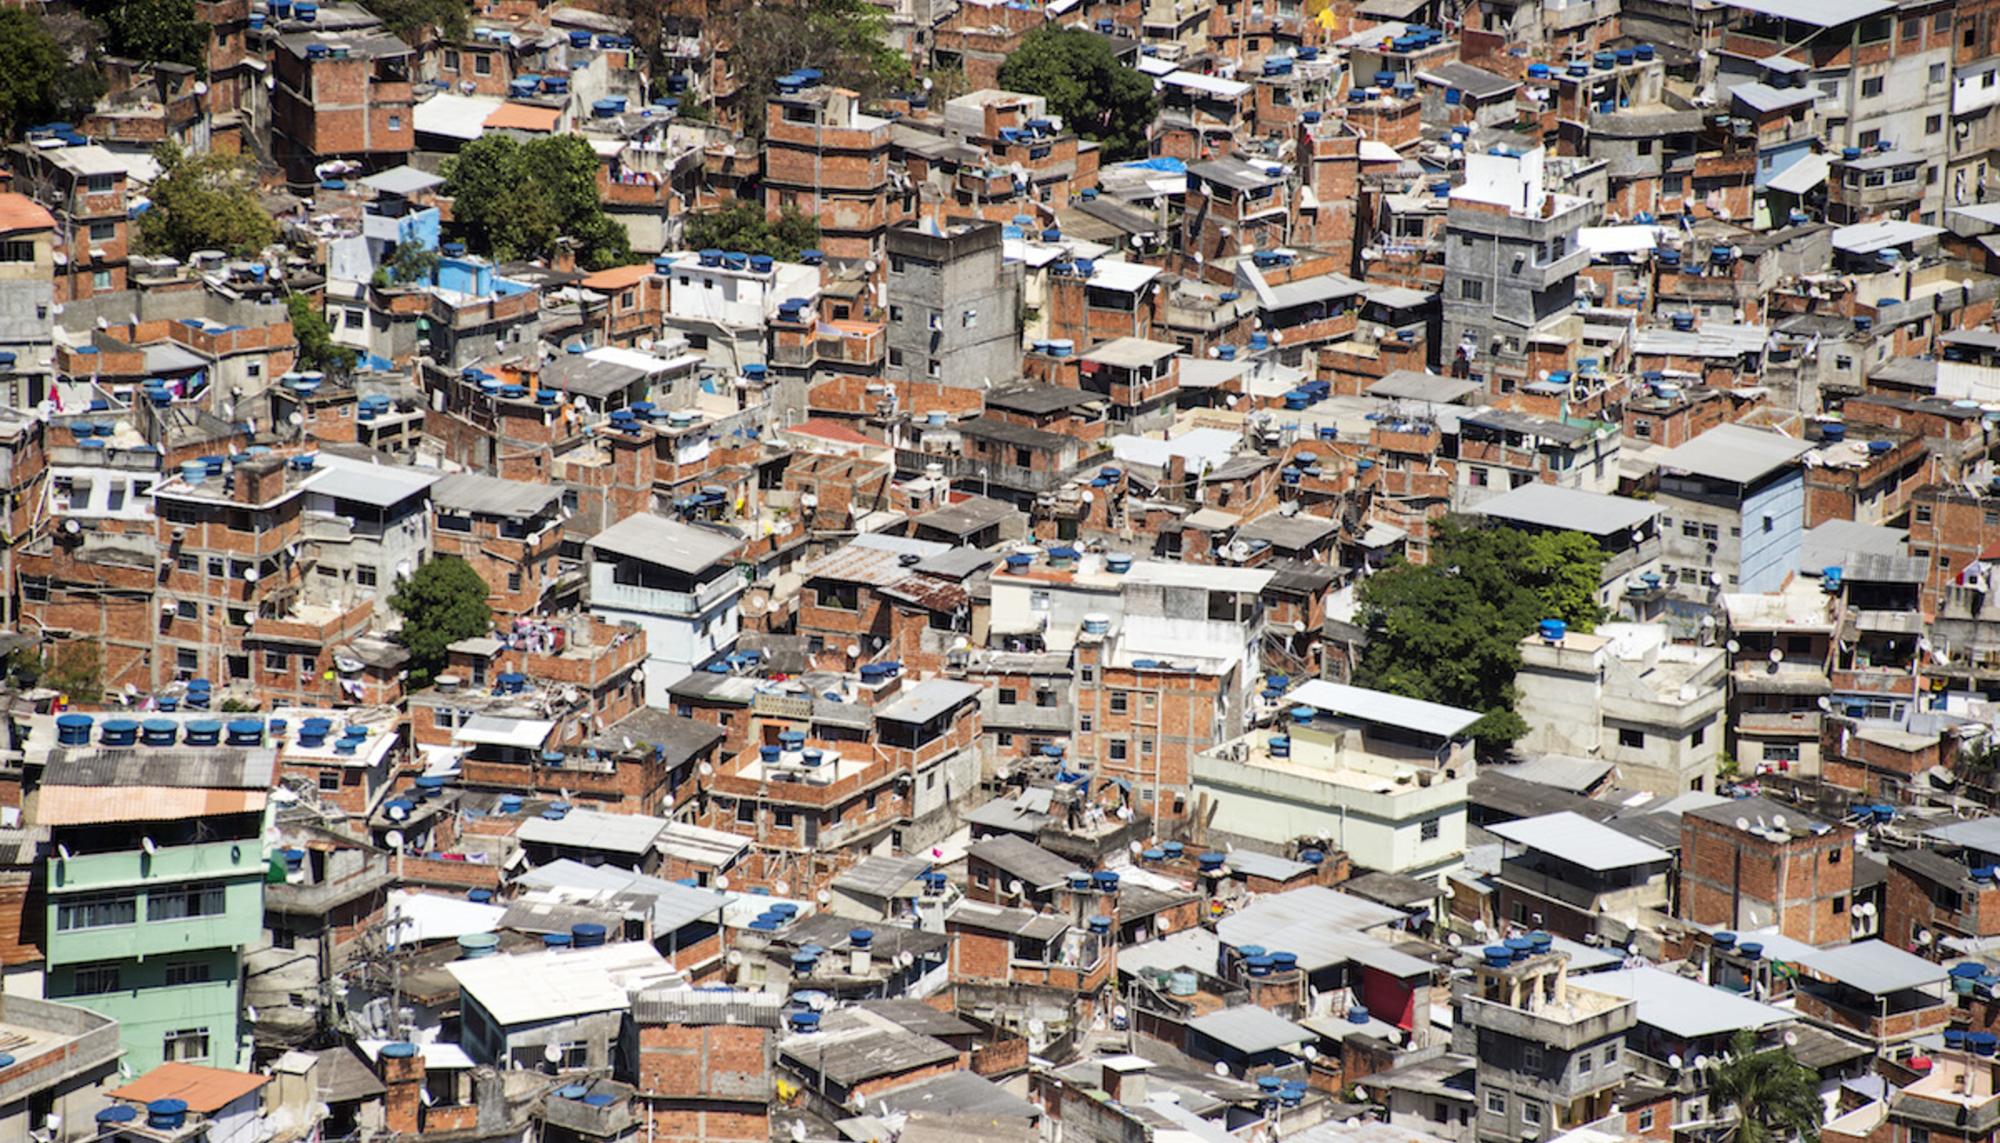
[722,882]
[296,419]
[1791,1039]
[1776,656]
[1674,1060]
[1777,821]
[1309,1052]
[905,958]
[395,838]
[1732,646]
[734,956]
[1135,847]
[1221,1069]
[823,896]
[1015,887]
[552,1053]
[781,888]
[1700,1063]
[1742,823]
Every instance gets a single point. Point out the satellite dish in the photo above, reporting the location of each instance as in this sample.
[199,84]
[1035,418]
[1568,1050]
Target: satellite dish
[1776,656]
[722,882]
[1137,848]
[1742,823]
[1732,646]
[249,575]
[1700,1063]
[853,651]
[1791,1039]
[395,838]
[1309,1052]
[781,888]
[296,419]
[552,1053]
[1674,1061]
[735,956]
[1825,703]
[1036,1027]
[1777,821]
[1455,940]
[705,769]
[798,1131]
[905,959]
[1015,888]
[1221,1068]
[1360,1093]
[1162,922]
[823,896]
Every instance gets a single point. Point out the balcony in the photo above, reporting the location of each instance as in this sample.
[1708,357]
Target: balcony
[1542,275]
[658,601]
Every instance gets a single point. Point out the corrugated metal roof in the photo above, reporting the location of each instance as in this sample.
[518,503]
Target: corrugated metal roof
[668,543]
[1435,719]
[882,875]
[1555,506]
[700,1006]
[1580,841]
[206,1090]
[534,987]
[1874,967]
[1683,1008]
[1250,1030]
[218,768]
[591,829]
[928,699]
[1018,857]
[1736,453]
[491,496]
[96,805]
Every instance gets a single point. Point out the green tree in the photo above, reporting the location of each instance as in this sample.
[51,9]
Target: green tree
[846,41]
[76,670]
[744,226]
[35,64]
[204,202]
[409,262]
[1097,97]
[521,200]
[413,20]
[156,31]
[315,337]
[80,85]
[1449,631]
[445,601]
[1775,1097]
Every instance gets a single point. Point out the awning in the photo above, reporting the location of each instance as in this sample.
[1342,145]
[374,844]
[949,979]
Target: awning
[487,730]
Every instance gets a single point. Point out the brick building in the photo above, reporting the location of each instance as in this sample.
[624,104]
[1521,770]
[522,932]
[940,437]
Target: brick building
[1777,868]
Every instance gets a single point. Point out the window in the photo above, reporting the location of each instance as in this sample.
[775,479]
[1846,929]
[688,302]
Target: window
[839,596]
[329,780]
[1008,696]
[450,59]
[1471,290]
[365,576]
[17,252]
[1933,124]
[1584,1064]
[1531,1113]
[1145,747]
[781,819]
[97,911]
[1646,1120]
[1496,1102]
[100,279]
[1699,736]
[513,581]
[189,1045]
[1428,831]
[1869,138]
[1920,1135]
[746,813]
[1937,73]
[1923,513]
[180,904]
[277,661]
[1117,749]
[187,609]
[1531,1057]
[1121,702]
[94,980]
[1833,857]
[482,64]
[1631,739]
[103,231]
[1611,1056]
[1840,903]
[177,975]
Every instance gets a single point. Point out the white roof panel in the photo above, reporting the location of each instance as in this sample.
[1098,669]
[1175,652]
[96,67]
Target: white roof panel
[1684,1008]
[492,730]
[1382,707]
[591,829]
[1580,841]
[533,988]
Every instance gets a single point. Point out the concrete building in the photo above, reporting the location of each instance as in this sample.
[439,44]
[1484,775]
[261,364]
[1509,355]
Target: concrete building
[1628,695]
[1732,509]
[954,302]
[1511,265]
[367,525]
[677,582]
[155,870]
[1380,777]
[1580,879]
[27,298]
[1548,1049]
[721,302]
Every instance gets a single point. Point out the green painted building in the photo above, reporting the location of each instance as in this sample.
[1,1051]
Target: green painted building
[155,872]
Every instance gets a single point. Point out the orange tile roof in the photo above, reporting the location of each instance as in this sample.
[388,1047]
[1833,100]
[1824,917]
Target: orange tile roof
[618,277]
[522,117]
[206,1090]
[19,212]
[91,805]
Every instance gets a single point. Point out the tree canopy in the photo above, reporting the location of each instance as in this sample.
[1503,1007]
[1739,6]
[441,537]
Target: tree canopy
[35,65]
[1097,97]
[520,200]
[156,31]
[1775,1097]
[1449,631]
[845,40]
[744,226]
[204,202]
[445,601]
[410,19]
[315,336]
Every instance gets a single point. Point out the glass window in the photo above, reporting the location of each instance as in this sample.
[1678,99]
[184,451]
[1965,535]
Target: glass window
[97,911]
[181,904]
